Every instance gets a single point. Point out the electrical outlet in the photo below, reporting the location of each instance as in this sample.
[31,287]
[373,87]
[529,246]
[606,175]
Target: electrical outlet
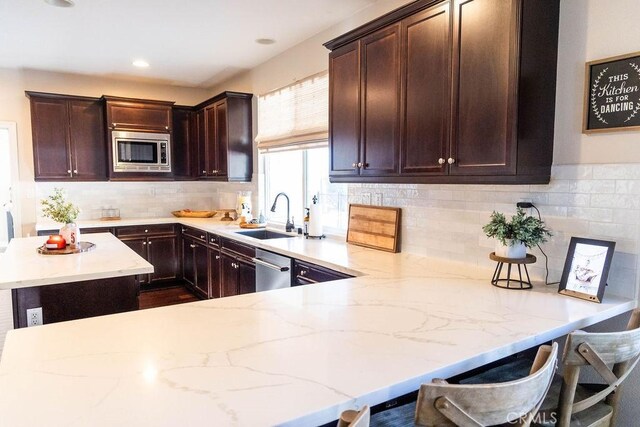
[34,316]
[377,199]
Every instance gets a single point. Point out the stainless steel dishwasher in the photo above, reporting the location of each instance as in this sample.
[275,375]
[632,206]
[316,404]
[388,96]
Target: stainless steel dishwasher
[273,271]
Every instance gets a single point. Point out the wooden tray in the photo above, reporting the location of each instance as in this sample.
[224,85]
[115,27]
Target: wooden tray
[82,247]
[193,214]
[374,227]
[252,225]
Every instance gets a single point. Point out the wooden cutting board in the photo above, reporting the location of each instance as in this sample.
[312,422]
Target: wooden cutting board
[375,227]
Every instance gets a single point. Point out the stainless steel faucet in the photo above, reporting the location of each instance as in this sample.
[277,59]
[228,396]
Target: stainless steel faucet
[289,226]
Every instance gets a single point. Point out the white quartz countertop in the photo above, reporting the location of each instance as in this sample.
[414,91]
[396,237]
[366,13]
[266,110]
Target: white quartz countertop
[296,356]
[21,266]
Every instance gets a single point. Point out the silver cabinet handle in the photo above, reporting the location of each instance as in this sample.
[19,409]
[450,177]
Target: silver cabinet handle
[150,243]
[192,246]
[166,127]
[184,229]
[214,171]
[204,172]
[144,243]
[69,172]
[306,279]
[202,237]
[451,160]
[268,264]
[354,165]
[146,231]
[217,256]
[441,161]
[360,164]
[75,171]
[303,272]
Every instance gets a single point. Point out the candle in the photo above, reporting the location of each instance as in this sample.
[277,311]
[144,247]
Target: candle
[56,242]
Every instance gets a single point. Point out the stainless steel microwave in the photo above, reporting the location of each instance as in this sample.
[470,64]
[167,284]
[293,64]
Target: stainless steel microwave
[141,151]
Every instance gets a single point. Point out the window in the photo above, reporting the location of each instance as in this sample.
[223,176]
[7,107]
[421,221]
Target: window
[294,159]
[302,174]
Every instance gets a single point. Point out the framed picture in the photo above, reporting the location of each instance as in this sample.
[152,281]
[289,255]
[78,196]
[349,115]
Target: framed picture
[612,94]
[586,268]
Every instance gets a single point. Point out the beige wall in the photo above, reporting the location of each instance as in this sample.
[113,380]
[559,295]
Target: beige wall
[14,106]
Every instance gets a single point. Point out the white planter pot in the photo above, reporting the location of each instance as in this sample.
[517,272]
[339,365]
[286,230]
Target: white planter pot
[513,249]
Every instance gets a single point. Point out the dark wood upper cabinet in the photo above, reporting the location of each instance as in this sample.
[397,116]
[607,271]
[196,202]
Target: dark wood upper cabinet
[138,114]
[477,94]
[225,148]
[485,52]
[184,147]
[426,92]
[344,102]
[380,56]
[68,138]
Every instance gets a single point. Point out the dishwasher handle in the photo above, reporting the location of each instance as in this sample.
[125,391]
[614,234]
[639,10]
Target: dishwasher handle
[303,279]
[271,266]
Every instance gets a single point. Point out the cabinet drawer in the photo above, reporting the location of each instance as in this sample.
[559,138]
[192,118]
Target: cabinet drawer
[304,274]
[238,248]
[145,230]
[194,233]
[96,230]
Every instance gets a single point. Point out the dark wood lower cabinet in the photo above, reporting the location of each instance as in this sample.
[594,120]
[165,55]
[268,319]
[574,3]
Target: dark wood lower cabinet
[77,300]
[195,266]
[238,275]
[162,252]
[228,275]
[139,246]
[215,267]
[246,277]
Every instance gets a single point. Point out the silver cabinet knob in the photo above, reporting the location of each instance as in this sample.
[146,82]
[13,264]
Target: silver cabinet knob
[150,243]
[75,171]
[303,272]
[354,165]
[451,160]
[146,231]
[214,171]
[166,127]
[192,246]
[360,164]
[441,161]
[217,256]
[114,124]
[202,237]
[144,243]
[204,172]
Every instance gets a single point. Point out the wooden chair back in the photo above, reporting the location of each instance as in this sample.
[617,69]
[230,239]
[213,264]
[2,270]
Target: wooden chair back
[352,418]
[443,404]
[598,350]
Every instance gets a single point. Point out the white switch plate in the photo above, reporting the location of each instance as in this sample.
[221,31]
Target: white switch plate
[34,316]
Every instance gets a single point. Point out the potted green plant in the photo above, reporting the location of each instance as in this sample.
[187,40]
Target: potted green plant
[515,236]
[60,210]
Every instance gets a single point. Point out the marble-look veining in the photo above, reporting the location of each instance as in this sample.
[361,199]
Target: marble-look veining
[21,266]
[296,356]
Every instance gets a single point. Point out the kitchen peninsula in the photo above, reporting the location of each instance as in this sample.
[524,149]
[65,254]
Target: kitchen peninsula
[93,283]
[293,356]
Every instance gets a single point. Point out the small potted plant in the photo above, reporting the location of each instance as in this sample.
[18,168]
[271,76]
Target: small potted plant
[515,236]
[59,210]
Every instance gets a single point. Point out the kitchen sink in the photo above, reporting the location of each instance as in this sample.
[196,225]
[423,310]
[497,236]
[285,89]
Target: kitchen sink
[265,234]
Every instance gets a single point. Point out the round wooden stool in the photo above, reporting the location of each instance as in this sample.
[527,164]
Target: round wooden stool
[506,282]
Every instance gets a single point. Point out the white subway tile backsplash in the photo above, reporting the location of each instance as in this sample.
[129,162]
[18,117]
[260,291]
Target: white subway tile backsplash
[592,201]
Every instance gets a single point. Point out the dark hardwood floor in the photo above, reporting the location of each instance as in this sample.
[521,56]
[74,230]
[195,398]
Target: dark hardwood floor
[166,296]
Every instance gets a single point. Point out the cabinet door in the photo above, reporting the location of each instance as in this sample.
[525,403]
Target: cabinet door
[201,257]
[381,102]
[202,143]
[222,141]
[182,142]
[139,246]
[344,110]
[210,140]
[228,276]
[188,262]
[426,96]
[51,143]
[485,62]
[163,254]
[139,115]
[88,140]
[214,273]
[246,277]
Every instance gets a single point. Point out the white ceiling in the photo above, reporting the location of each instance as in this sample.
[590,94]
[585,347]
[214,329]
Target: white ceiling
[187,42]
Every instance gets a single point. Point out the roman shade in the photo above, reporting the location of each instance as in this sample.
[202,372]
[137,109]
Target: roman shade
[296,116]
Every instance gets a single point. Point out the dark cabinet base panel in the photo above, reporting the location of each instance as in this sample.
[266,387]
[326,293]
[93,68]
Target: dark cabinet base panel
[78,300]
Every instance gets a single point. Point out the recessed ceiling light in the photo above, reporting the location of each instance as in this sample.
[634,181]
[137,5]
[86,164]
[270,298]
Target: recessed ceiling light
[60,3]
[265,41]
[140,63]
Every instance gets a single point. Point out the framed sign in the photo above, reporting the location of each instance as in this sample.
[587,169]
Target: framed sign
[612,94]
[586,268]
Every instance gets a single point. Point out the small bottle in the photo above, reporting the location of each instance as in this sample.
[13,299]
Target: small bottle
[306,221]
[261,219]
